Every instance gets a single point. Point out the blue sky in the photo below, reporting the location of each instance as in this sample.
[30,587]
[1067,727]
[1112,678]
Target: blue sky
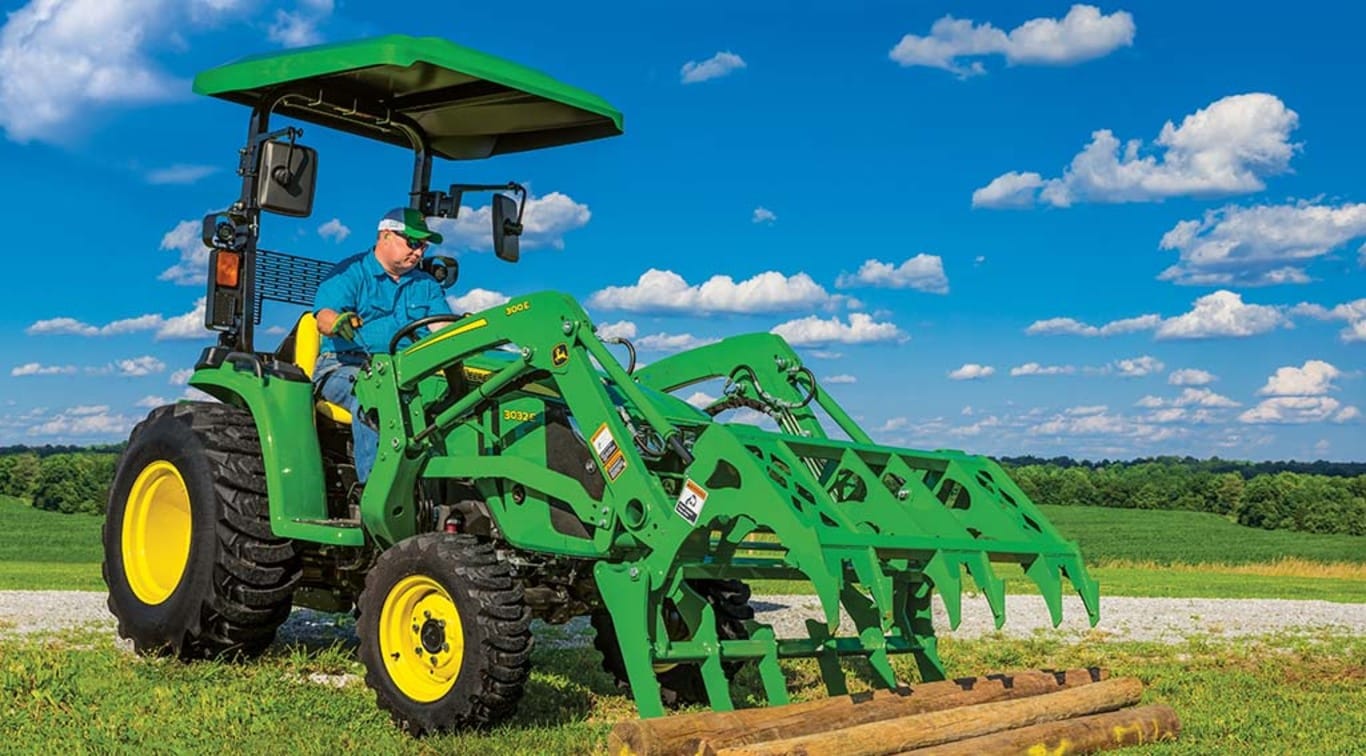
[1105,231]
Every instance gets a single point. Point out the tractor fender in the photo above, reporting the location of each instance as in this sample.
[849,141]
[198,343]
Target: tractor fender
[281,404]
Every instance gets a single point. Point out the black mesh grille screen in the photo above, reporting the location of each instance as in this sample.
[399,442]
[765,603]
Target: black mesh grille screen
[287,278]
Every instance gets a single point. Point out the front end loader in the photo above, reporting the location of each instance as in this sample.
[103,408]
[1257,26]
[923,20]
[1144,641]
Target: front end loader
[524,472]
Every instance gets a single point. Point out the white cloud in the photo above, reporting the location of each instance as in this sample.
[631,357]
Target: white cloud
[62,59]
[475,300]
[334,230]
[661,291]
[1013,189]
[1313,379]
[861,329]
[1228,147]
[1299,409]
[922,272]
[1088,409]
[1222,313]
[1191,397]
[718,65]
[1190,377]
[1054,326]
[624,329]
[1137,367]
[1353,312]
[1260,245]
[34,368]
[1034,368]
[672,342]
[83,421]
[970,371]
[180,173]
[842,378]
[193,267]
[1083,34]
[299,28]
[139,366]
[187,326]
[151,402]
[181,377]
[764,215]
[700,399]
[545,221]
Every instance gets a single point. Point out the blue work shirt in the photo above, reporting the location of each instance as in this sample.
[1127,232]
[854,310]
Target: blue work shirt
[359,284]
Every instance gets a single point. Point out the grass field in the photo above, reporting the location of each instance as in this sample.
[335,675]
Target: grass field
[80,694]
[1132,553]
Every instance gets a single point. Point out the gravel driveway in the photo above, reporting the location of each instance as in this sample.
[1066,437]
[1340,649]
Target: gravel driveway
[1165,620]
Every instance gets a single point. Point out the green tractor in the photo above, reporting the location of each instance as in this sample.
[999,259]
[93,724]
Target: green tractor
[524,472]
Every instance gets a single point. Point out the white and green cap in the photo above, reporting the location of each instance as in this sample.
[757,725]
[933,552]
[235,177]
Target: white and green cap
[410,223]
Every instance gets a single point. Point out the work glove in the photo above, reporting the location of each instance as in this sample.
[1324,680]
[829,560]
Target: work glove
[345,325]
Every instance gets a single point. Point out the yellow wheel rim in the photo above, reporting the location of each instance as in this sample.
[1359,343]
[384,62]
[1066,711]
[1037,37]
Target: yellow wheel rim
[156,532]
[421,639]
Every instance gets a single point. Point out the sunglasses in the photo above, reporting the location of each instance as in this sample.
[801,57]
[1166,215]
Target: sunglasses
[413,244]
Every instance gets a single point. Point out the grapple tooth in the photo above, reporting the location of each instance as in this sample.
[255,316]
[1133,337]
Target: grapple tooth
[990,584]
[1088,589]
[1044,573]
[949,582]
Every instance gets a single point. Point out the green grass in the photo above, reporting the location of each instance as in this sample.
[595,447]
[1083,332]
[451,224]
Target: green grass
[80,694]
[1106,534]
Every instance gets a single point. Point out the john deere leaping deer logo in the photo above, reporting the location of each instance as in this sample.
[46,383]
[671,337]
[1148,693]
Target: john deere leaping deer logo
[559,355]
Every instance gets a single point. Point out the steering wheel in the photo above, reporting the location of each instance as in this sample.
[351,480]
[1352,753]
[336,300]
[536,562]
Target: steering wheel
[407,331]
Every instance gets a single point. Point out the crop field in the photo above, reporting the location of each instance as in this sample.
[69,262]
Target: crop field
[1132,553]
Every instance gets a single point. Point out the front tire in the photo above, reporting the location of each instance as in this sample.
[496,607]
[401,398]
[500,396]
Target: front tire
[444,634]
[190,561]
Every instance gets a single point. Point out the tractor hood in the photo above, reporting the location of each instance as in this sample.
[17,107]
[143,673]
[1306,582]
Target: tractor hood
[469,104]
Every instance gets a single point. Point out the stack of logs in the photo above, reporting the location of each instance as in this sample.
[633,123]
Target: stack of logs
[1076,711]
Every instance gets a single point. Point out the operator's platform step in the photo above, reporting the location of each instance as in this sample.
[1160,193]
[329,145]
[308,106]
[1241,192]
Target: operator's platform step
[1054,712]
[334,523]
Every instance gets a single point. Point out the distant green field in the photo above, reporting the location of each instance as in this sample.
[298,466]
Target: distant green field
[1143,535]
[33,535]
[49,551]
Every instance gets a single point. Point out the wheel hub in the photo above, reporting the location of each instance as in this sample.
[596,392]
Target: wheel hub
[433,634]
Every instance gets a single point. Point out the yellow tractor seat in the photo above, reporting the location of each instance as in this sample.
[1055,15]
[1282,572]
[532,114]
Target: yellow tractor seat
[307,343]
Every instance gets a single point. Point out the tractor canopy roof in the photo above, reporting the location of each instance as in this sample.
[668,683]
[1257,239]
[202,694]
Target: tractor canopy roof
[468,104]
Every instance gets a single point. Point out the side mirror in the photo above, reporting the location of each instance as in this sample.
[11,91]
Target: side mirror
[507,228]
[286,179]
[444,269]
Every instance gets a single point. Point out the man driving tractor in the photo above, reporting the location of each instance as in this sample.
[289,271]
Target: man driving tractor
[361,304]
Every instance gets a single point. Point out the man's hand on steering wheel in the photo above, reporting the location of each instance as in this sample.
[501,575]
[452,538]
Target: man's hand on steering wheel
[345,325]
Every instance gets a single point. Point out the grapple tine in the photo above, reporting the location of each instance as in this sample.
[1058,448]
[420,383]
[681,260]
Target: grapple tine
[989,583]
[949,582]
[1088,589]
[1044,572]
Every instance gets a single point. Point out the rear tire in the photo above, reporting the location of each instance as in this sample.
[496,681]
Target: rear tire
[682,683]
[445,634]
[190,561]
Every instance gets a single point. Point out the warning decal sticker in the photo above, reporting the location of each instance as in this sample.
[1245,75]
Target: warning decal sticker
[690,501]
[608,453]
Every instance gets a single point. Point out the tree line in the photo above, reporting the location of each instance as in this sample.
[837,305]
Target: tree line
[1276,499]
[1255,494]
[69,482]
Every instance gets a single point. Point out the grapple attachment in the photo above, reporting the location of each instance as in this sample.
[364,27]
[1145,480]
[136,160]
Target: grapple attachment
[674,503]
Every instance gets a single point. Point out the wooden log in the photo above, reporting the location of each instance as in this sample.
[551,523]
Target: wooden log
[1098,732]
[683,734]
[893,736]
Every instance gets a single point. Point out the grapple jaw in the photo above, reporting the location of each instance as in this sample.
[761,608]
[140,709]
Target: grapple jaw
[875,530]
